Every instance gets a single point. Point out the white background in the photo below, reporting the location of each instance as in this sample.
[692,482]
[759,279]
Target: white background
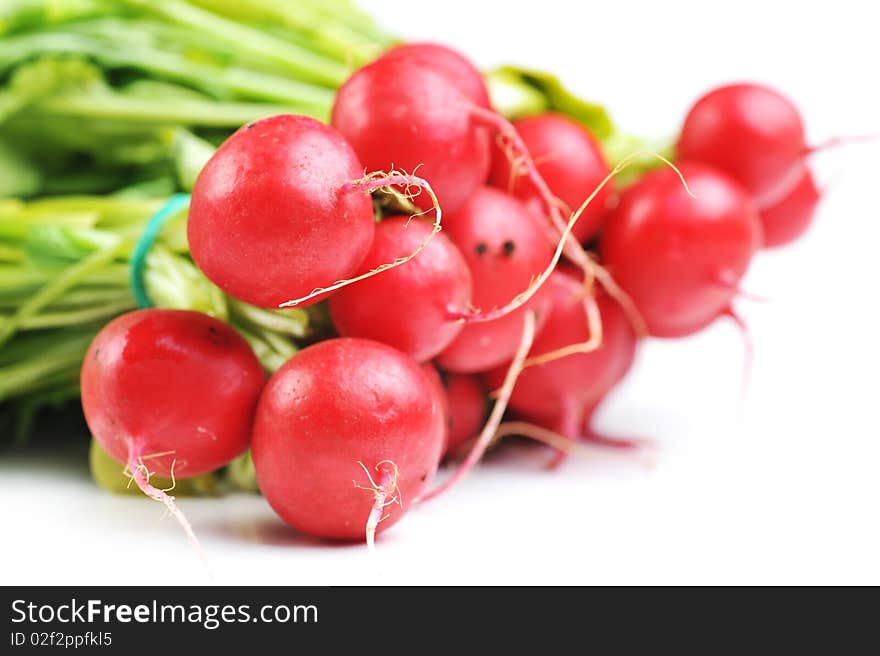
[781,489]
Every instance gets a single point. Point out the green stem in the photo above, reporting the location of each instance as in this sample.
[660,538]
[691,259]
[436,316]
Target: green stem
[118,107]
[74,317]
[305,63]
[64,281]
[280,321]
[60,360]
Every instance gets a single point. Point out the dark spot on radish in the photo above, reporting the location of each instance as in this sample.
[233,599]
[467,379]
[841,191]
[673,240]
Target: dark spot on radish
[423,477]
[250,125]
[481,248]
[216,337]
[509,246]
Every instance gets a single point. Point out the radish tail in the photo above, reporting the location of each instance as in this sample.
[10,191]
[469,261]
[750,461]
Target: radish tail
[368,184]
[520,158]
[838,142]
[385,493]
[140,474]
[565,445]
[488,433]
[569,427]
[594,322]
[748,351]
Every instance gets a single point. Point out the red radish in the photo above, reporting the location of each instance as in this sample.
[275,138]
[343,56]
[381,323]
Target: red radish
[680,258]
[439,386]
[398,112]
[170,392]
[790,218]
[406,112]
[560,393]
[447,62]
[409,307]
[568,157]
[347,434]
[468,404]
[752,133]
[504,248]
[281,209]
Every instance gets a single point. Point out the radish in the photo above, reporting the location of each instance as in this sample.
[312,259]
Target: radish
[568,157]
[467,401]
[408,112]
[409,307]
[561,393]
[448,63]
[790,217]
[171,393]
[347,434]
[752,133]
[399,112]
[680,258]
[505,248]
[282,208]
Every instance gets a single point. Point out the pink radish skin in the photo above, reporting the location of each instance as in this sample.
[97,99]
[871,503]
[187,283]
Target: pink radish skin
[752,133]
[398,112]
[172,393]
[347,434]
[790,218]
[561,393]
[681,258]
[406,112]
[270,220]
[448,63]
[505,248]
[408,307]
[569,159]
[281,214]
[176,383]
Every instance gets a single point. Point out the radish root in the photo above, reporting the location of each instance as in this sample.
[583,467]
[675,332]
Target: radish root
[138,472]
[729,281]
[368,184]
[488,432]
[522,162]
[748,350]
[385,493]
[565,445]
[594,322]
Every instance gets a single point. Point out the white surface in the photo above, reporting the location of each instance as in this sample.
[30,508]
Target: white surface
[781,490]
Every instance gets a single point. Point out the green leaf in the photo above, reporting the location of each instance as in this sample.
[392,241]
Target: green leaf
[518,92]
[18,175]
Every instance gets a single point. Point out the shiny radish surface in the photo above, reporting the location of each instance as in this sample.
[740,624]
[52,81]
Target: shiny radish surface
[398,112]
[448,63]
[752,133]
[407,307]
[173,388]
[681,257]
[271,217]
[347,434]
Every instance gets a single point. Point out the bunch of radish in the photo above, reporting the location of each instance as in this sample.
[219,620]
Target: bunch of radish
[522,278]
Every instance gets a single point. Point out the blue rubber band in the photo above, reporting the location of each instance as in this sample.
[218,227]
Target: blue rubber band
[139,255]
